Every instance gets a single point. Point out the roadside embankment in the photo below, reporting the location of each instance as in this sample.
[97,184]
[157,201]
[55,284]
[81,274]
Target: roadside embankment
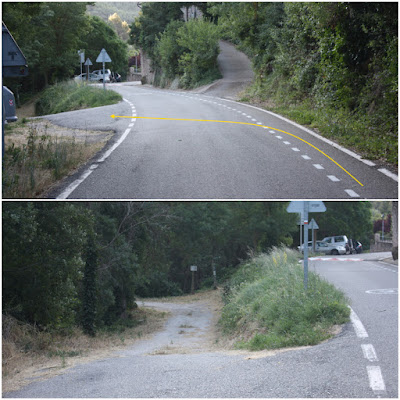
[267,307]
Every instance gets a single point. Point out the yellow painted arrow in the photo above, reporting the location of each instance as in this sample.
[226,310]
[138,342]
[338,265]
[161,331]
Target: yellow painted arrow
[243,123]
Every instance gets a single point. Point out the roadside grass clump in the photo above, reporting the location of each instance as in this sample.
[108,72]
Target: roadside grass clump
[70,96]
[266,305]
[35,158]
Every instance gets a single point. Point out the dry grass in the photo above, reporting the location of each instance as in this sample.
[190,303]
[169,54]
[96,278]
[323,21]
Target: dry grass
[38,154]
[29,355]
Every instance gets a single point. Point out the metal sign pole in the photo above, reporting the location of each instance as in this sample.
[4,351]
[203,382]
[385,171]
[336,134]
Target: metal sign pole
[301,232]
[104,75]
[306,206]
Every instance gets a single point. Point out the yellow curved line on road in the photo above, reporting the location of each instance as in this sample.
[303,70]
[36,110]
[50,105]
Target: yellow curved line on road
[245,123]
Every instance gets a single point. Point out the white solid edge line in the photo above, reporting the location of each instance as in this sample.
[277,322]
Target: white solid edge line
[375,377]
[65,193]
[74,185]
[389,174]
[358,325]
[337,146]
[115,145]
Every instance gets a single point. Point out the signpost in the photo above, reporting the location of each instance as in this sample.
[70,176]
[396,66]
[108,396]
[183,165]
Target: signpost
[303,208]
[13,60]
[14,65]
[88,63]
[81,54]
[103,57]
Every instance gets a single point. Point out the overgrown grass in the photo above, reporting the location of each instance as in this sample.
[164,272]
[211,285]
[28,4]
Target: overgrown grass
[35,158]
[268,308]
[371,132]
[69,96]
[30,352]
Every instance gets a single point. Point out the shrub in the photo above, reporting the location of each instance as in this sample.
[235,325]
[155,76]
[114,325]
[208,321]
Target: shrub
[70,95]
[267,302]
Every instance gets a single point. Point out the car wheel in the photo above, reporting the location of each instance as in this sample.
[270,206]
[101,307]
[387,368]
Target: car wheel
[334,252]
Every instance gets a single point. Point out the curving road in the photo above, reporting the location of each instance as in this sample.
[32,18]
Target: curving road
[260,156]
[182,361]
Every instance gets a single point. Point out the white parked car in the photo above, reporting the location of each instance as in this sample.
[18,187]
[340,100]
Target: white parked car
[107,75]
[339,244]
[320,247]
[82,78]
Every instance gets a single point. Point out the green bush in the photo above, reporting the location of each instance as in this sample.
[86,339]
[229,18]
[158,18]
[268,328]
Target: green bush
[267,294]
[200,41]
[69,96]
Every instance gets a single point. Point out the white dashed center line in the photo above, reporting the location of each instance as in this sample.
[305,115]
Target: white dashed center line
[351,193]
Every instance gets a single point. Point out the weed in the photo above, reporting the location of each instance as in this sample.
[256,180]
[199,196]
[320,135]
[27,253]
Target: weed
[266,303]
[69,96]
[65,353]
[35,159]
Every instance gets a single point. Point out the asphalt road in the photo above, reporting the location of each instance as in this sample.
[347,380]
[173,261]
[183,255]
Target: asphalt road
[372,287]
[173,159]
[179,361]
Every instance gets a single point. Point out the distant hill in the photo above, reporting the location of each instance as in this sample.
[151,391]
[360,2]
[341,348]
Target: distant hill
[128,11]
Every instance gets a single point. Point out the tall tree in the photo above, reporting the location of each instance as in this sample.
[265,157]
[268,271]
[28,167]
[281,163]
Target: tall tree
[89,301]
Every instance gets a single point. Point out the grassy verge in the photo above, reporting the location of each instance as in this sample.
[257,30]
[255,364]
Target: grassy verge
[267,307]
[38,154]
[70,96]
[369,133]
[29,354]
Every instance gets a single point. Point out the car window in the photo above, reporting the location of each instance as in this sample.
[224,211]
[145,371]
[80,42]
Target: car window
[339,239]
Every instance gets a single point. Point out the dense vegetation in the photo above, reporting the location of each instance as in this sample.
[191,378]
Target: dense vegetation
[51,50]
[330,65]
[333,66]
[128,11]
[68,264]
[267,306]
[185,49]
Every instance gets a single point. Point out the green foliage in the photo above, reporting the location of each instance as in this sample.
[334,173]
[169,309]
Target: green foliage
[152,21]
[68,264]
[51,49]
[128,11]
[42,261]
[69,96]
[267,294]
[168,49]
[187,49]
[339,60]
[198,63]
[350,218]
[99,35]
[89,288]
